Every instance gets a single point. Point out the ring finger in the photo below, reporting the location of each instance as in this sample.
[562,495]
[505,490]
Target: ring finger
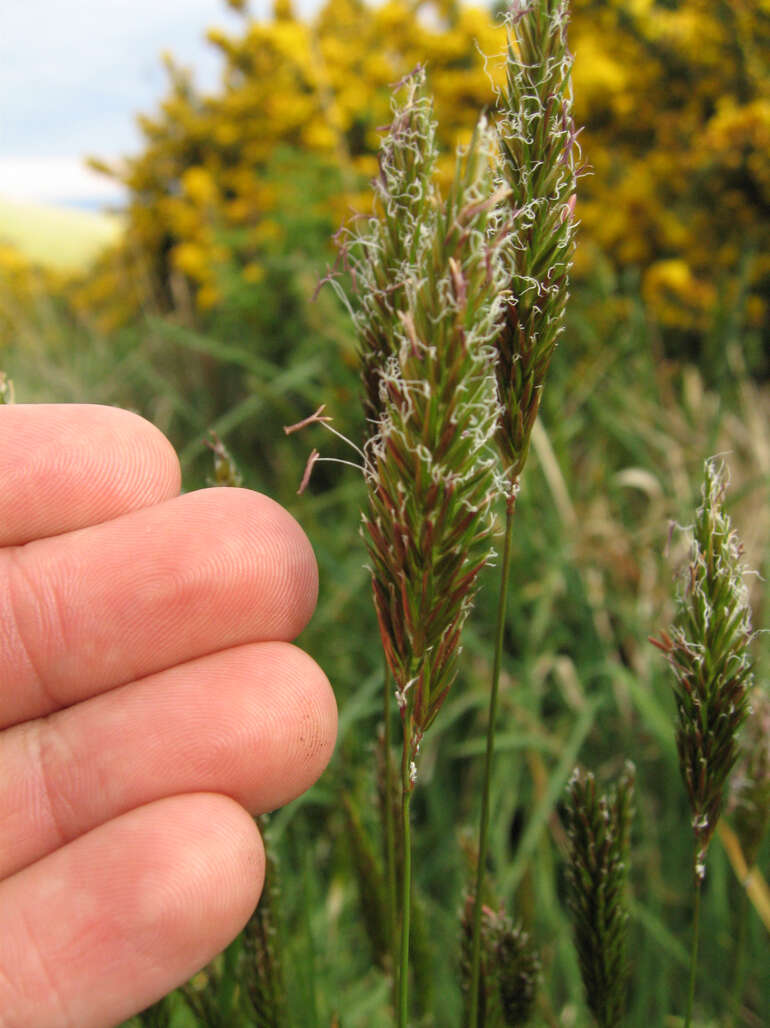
[256,723]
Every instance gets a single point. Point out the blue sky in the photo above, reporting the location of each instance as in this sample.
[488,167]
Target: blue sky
[73,75]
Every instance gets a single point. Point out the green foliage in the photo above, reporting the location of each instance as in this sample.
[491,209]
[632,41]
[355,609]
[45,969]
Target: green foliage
[749,798]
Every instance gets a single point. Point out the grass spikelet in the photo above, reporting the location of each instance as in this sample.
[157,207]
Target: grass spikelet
[707,648]
[599,828]
[510,969]
[429,468]
[384,256]
[538,165]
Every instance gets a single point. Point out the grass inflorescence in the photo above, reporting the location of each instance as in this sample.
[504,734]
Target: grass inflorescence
[428,282]
[429,466]
[599,829]
[707,648]
[708,651]
[537,166]
[509,969]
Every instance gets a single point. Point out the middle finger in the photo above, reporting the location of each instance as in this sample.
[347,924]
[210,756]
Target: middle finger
[90,610]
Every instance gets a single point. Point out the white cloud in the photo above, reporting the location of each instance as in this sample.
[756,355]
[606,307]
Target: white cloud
[74,75]
[56,180]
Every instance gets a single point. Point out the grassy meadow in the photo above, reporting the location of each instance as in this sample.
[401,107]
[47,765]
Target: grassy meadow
[633,406]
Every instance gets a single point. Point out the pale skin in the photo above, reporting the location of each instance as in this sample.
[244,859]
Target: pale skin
[151,702]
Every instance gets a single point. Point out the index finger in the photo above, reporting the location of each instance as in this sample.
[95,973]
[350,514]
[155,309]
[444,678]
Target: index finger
[68,466]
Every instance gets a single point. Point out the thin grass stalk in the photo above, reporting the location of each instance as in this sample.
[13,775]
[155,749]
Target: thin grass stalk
[693,951]
[406,882]
[488,761]
[390,830]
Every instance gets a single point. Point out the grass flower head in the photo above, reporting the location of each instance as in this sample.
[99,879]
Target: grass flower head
[599,828]
[707,648]
[538,165]
[429,277]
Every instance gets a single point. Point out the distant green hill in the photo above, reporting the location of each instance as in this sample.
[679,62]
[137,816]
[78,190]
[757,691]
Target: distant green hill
[56,237]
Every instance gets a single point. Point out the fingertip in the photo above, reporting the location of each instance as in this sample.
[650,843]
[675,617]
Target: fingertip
[301,573]
[113,921]
[156,468]
[317,720]
[217,881]
[276,553]
[67,466]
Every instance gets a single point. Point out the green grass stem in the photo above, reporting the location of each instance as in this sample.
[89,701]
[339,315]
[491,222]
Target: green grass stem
[406,883]
[390,831]
[488,760]
[694,951]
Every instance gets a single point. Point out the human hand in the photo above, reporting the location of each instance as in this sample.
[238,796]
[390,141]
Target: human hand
[150,702]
